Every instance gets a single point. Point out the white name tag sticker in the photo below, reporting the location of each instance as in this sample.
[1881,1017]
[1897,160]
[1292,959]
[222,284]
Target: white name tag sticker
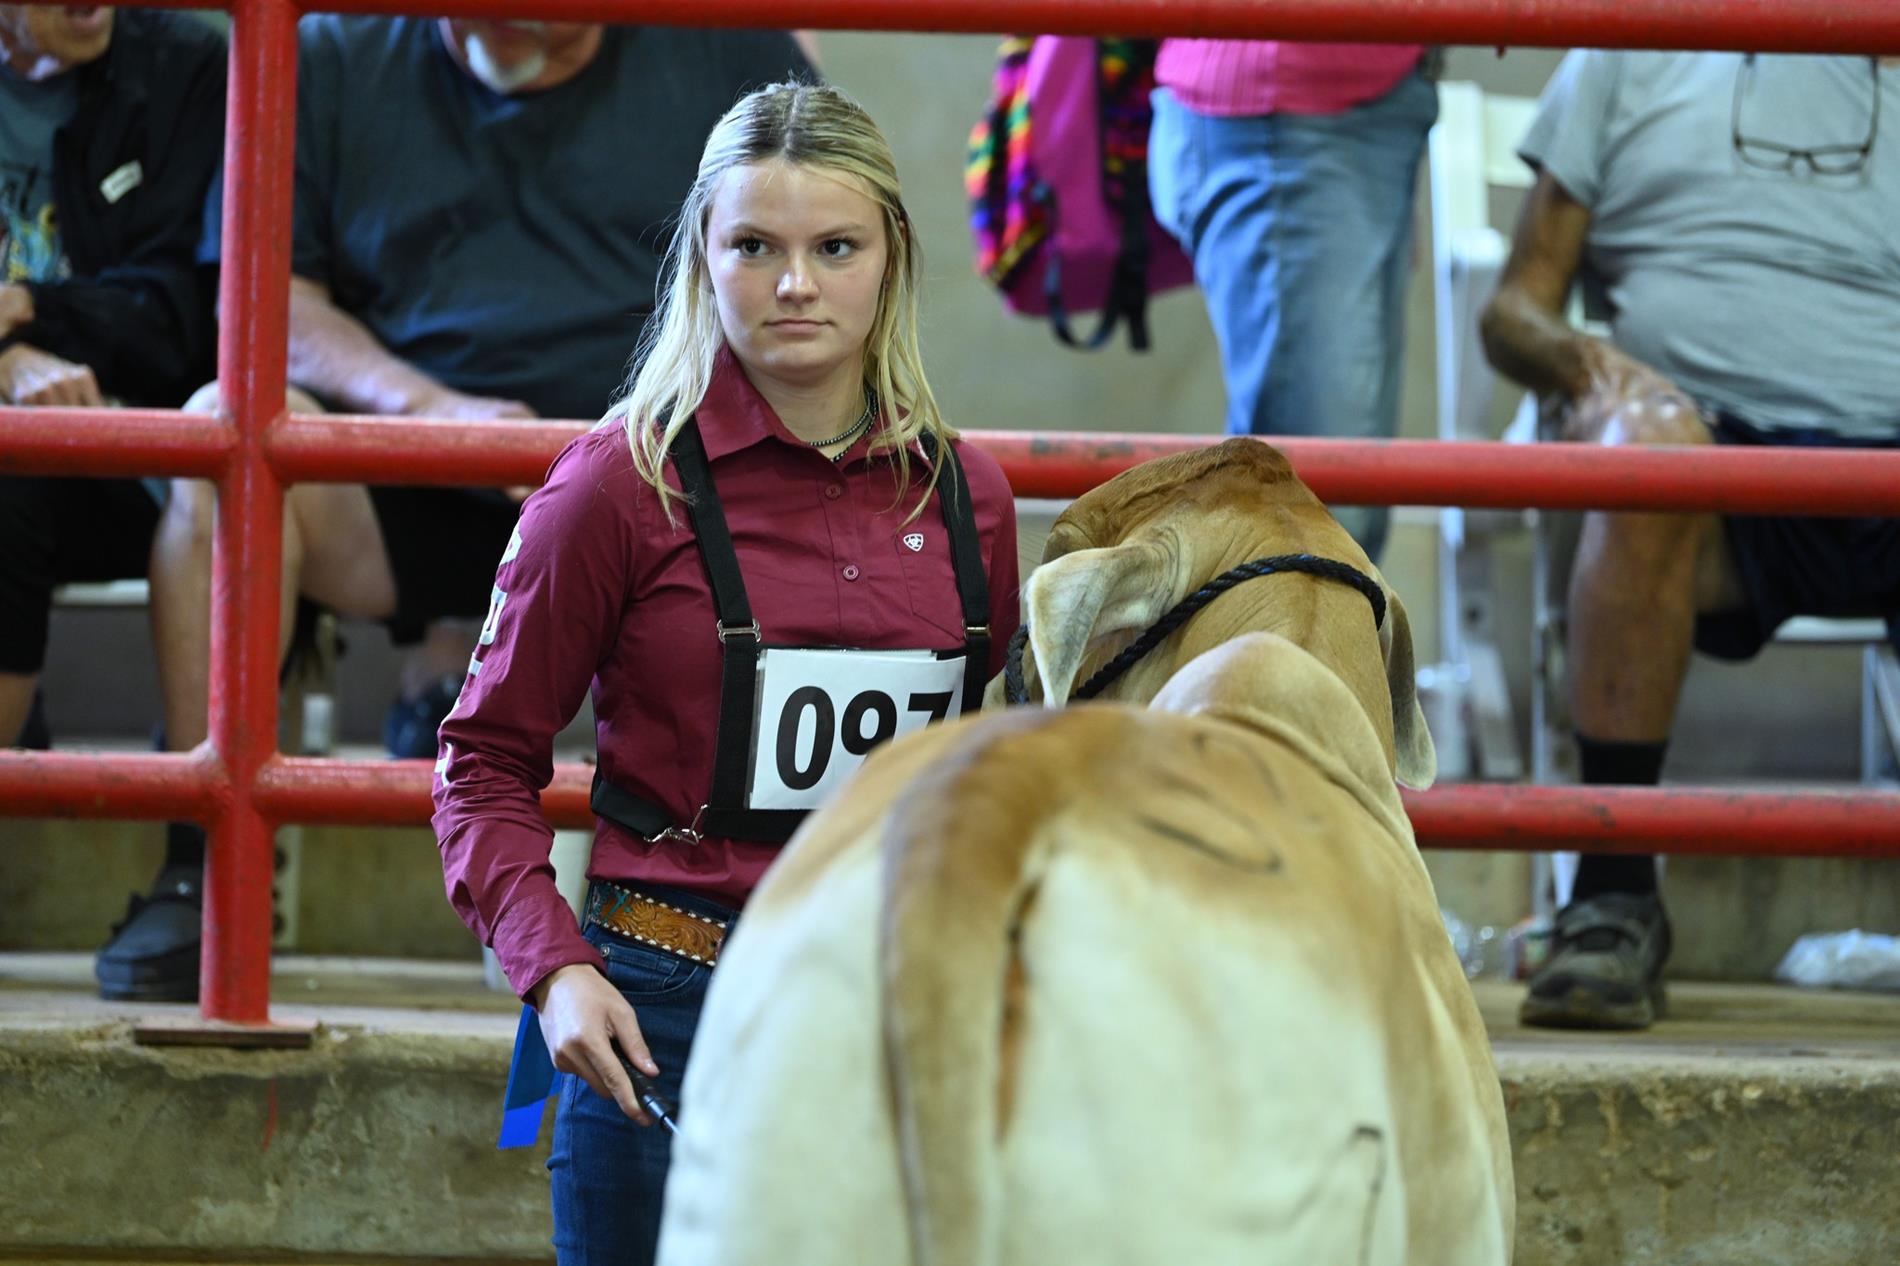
[820,712]
[122,180]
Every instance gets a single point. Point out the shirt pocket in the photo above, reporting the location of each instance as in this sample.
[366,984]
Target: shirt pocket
[923,555]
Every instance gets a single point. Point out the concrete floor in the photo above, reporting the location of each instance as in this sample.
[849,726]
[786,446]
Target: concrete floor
[1705,1020]
[1753,1127]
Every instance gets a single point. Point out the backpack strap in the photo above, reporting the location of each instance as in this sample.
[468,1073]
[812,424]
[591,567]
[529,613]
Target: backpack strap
[1127,290]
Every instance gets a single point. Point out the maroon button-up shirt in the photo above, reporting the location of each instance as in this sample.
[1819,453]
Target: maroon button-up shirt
[598,589]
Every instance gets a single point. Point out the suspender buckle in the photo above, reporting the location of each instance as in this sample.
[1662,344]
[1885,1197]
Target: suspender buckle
[684,834]
[751,630]
[973,631]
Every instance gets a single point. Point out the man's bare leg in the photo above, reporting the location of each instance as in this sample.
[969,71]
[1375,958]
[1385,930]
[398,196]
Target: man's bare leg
[333,554]
[1637,586]
[1638,583]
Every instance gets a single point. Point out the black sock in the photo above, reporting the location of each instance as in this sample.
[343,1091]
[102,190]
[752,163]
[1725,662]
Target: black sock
[1605,763]
[184,846]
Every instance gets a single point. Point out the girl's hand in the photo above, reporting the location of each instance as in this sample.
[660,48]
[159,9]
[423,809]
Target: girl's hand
[582,1016]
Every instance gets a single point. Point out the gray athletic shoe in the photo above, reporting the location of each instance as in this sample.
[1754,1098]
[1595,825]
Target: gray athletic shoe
[1605,966]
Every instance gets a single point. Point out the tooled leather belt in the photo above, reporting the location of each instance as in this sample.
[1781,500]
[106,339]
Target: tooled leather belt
[638,916]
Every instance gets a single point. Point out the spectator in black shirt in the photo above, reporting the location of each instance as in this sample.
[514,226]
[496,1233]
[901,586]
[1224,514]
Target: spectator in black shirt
[111,125]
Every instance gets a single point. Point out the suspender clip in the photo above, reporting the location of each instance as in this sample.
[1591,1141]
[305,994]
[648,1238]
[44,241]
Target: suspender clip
[685,834]
[751,630]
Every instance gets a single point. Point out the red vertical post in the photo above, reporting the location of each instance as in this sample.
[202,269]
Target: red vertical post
[247,553]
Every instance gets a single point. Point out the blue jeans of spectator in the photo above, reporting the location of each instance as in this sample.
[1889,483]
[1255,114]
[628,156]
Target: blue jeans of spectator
[1300,228]
[608,1174]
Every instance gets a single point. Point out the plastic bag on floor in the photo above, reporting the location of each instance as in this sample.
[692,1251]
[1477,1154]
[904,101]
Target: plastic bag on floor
[1843,960]
[1463,939]
[1490,953]
[1486,953]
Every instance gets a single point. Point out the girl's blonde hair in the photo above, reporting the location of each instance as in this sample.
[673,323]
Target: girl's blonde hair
[815,126]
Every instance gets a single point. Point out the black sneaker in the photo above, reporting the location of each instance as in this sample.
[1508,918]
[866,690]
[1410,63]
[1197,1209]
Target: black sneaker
[409,730]
[153,953]
[1605,965]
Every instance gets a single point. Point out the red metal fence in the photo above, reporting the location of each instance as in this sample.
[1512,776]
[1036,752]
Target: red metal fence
[242,788]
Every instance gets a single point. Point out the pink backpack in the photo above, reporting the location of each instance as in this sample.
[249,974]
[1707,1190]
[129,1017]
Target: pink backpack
[1058,184]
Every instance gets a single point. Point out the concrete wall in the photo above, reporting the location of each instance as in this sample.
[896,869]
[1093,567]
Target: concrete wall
[376,1145]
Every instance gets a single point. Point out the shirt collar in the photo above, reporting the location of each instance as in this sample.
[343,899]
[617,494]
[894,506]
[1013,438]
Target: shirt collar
[735,416]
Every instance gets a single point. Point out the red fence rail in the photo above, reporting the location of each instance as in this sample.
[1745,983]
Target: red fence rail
[1811,823]
[356,449]
[1788,26]
[241,787]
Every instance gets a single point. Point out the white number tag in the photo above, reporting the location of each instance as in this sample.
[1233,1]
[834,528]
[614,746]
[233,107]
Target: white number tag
[821,711]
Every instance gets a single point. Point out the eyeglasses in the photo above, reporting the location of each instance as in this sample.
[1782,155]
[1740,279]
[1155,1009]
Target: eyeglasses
[1822,160]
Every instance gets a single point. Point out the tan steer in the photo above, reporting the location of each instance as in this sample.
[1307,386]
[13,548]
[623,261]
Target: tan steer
[1116,984]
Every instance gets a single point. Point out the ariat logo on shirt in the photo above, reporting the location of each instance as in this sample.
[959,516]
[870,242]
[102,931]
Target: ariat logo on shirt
[914,542]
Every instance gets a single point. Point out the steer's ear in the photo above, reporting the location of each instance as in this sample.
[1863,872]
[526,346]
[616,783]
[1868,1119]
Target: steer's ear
[1417,759]
[1088,594]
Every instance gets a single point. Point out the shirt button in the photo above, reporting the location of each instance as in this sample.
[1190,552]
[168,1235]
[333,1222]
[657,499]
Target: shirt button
[834,491]
[851,571]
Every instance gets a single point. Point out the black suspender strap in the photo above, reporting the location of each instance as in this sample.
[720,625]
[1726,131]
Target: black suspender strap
[715,540]
[966,560]
[626,810]
[739,644]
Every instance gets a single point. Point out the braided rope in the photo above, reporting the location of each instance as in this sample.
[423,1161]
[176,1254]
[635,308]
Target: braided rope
[1014,691]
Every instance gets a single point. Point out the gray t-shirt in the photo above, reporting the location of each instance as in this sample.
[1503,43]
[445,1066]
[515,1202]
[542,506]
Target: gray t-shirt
[29,233]
[1773,295]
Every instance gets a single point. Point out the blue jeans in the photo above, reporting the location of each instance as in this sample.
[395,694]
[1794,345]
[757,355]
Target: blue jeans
[1300,228]
[608,1175]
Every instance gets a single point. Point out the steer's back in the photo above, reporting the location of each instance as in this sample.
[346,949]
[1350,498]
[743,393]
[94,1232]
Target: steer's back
[1104,985]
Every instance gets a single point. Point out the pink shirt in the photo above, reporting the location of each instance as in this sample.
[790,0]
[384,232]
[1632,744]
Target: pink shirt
[1256,77]
[601,592]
